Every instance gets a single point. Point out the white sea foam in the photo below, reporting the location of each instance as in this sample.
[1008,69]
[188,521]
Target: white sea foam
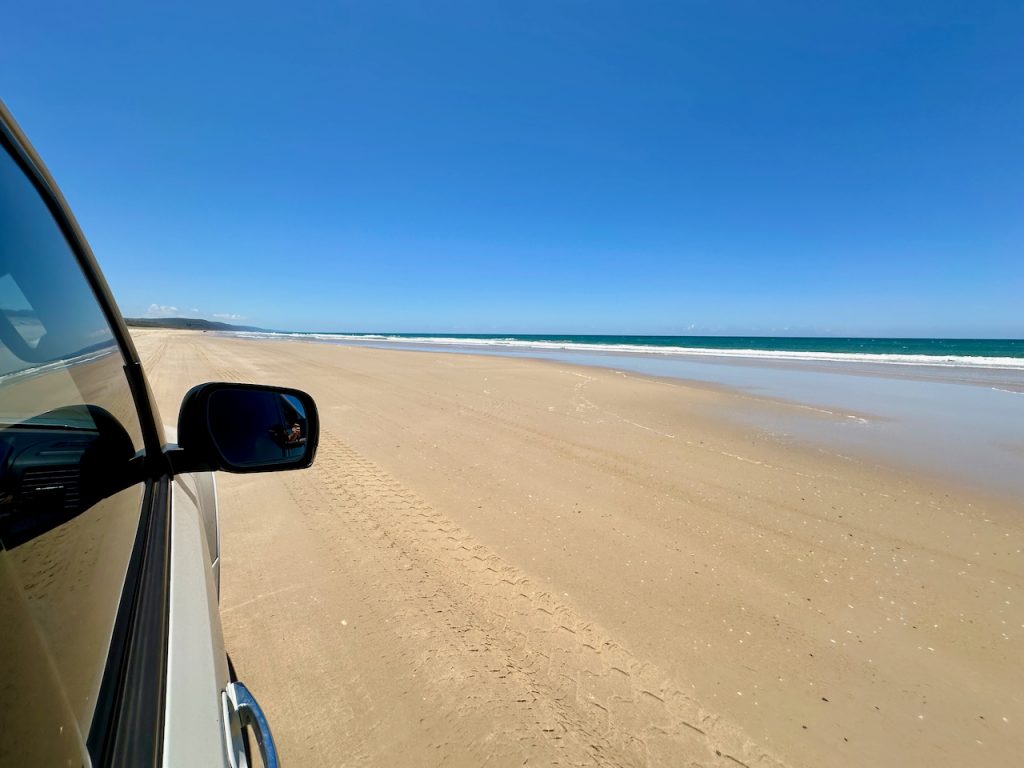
[945,361]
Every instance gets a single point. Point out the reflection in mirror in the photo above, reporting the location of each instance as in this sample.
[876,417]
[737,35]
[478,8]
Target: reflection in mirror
[255,427]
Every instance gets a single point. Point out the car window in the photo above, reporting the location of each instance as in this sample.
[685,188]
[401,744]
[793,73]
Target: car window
[69,510]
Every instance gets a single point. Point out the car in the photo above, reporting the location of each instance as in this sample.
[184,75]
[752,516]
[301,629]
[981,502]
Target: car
[111,651]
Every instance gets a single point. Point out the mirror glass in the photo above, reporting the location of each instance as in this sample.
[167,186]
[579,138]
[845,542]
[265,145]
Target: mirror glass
[258,427]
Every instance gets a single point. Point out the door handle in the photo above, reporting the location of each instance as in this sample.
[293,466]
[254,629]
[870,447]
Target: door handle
[241,711]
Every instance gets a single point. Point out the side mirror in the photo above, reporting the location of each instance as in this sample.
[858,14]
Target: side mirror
[246,428]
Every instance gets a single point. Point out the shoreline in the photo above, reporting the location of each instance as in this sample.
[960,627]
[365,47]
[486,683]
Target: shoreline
[519,559]
[929,440]
[1010,363]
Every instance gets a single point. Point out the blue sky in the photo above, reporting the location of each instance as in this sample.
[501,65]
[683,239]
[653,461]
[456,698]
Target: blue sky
[701,167]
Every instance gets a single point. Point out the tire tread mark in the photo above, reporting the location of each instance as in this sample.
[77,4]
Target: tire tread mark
[582,682]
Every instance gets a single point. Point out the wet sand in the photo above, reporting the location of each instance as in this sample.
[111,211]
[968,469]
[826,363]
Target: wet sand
[963,421]
[502,561]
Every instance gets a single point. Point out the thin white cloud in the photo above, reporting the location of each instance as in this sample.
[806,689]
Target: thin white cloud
[161,310]
[169,310]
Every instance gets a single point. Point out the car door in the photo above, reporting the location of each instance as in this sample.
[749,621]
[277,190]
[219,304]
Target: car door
[111,651]
[85,525]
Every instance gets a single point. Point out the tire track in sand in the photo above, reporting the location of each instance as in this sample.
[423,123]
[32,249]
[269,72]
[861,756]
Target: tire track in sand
[547,677]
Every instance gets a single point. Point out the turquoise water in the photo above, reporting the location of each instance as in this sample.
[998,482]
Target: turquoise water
[959,353]
[848,346]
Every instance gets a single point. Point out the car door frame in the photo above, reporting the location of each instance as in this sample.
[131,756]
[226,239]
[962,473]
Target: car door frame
[128,723]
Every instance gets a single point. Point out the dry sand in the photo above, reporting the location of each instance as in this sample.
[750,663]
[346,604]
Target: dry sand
[504,561]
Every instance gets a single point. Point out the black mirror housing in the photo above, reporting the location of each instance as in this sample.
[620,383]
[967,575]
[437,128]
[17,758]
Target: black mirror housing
[246,428]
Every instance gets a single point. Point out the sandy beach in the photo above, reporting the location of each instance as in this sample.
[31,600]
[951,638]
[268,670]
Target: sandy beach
[502,561]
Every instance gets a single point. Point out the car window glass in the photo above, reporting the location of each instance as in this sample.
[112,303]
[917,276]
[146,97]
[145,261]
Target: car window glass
[22,318]
[69,510]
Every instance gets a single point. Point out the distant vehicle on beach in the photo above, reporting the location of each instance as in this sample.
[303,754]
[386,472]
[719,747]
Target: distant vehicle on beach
[111,650]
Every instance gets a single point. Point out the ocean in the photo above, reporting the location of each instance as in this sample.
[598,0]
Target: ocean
[986,353]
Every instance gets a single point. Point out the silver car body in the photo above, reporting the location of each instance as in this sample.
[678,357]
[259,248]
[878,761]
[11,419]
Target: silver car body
[112,651]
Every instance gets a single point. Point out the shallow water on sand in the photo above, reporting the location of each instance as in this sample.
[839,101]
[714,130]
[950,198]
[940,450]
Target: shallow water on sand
[966,424]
